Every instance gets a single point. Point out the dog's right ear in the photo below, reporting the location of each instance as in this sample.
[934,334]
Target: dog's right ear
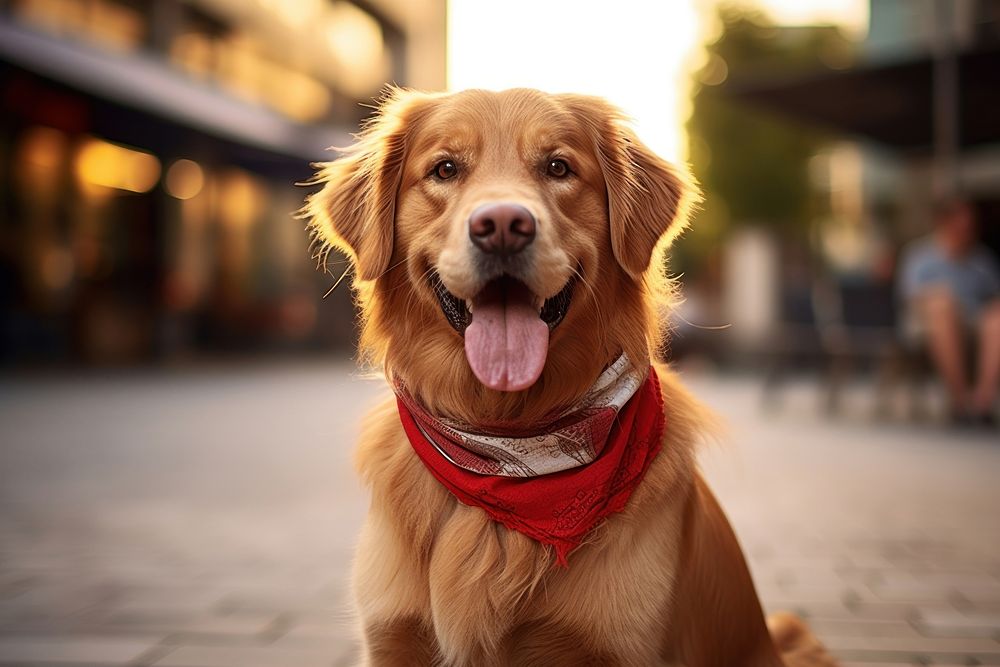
[648,198]
[356,209]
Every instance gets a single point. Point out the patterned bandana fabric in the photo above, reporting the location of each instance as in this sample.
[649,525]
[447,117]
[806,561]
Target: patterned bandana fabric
[554,482]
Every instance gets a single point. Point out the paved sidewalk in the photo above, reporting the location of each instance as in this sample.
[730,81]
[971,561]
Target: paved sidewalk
[885,536]
[205,518]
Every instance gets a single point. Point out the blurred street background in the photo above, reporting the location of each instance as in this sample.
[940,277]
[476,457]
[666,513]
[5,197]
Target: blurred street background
[178,401]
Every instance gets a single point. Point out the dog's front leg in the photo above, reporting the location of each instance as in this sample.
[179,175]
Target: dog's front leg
[404,642]
[717,620]
[392,597]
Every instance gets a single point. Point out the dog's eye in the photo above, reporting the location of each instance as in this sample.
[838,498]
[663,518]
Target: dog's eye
[558,168]
[444,170]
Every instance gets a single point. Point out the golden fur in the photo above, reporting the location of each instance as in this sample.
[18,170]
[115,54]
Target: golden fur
[436,582]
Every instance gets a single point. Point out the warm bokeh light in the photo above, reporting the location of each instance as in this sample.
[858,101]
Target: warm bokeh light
[193,52]
[56,267]
[298,13]
[43,148]
[105,23]
[297,95]
[185,179]
[108,165]
[243,196]
[852,15]
[355,40]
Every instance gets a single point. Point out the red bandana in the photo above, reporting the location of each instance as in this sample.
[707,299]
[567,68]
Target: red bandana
[558,508]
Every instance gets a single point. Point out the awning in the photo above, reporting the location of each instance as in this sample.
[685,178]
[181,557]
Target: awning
[149,86]
[889,103]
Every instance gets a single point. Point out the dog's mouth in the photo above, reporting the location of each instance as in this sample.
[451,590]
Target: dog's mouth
[506,328]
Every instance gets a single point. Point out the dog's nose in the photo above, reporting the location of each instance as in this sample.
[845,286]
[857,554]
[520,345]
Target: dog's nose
[501,228]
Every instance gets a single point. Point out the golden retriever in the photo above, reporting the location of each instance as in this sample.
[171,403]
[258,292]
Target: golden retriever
[579,214]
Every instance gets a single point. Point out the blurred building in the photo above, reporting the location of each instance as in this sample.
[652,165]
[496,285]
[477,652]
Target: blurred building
[955,47]
[905,120]
[148,155]
[917,116]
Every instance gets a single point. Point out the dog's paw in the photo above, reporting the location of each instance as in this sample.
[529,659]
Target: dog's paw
[798,646]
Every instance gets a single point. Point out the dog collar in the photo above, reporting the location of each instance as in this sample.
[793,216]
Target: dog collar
[554,482]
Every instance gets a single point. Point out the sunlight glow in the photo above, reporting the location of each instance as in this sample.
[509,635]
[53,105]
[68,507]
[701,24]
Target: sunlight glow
[638,54]
[849,14]
[633,52]
[106,165]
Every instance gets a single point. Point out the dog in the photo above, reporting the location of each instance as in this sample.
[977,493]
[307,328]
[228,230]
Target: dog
[535,498]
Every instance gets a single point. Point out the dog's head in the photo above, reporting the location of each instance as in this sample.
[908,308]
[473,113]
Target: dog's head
[510,236]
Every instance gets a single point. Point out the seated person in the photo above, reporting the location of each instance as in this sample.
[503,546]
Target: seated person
[951,290]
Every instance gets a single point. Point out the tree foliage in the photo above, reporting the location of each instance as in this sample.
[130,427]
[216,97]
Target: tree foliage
[753,165]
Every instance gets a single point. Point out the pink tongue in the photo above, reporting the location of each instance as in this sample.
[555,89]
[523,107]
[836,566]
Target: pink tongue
[507,341]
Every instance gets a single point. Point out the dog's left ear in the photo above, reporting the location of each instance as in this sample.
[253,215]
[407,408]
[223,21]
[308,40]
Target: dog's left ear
[356,209]
[647,196]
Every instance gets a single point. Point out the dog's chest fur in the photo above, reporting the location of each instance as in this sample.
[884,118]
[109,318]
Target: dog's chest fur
[483,593]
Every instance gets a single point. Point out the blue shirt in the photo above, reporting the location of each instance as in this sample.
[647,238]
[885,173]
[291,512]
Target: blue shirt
[973,279]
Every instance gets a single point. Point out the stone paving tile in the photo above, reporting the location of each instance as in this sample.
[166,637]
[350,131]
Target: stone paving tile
[898,664]
[313,640]
[984,595]
[14,584]
[806,610]
[957,624]
[866,562]
[896,611]
[266,656]
[853,627]
[176,639]
[142,612]
[847,593]
[276,602]
[173,597]
[51,602]
[956,578]
[918,644]
[319,631]
[919,592]
[917,660]
[106,651]
[225,626]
